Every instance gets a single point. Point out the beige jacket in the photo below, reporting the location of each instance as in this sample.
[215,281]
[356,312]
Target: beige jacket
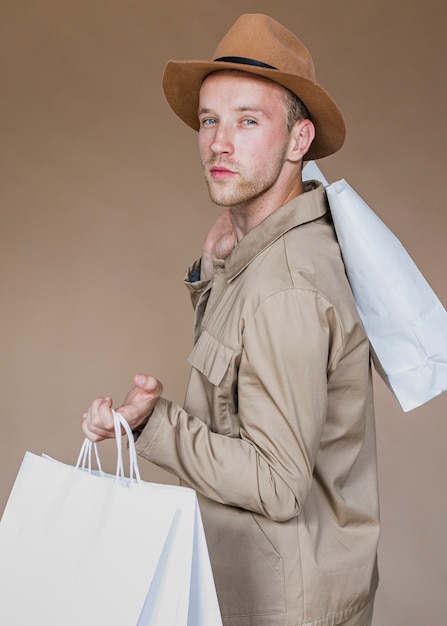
[277,430]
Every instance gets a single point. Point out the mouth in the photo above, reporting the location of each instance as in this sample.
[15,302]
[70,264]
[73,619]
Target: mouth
[218,172]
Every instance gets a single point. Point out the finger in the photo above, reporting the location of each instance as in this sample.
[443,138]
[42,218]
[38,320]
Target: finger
[100,414]
[149,384]
[89,433]
[98,422]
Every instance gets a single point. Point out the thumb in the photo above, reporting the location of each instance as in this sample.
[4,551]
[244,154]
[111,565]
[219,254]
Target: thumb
[226,245]
[231,240]
[149,384]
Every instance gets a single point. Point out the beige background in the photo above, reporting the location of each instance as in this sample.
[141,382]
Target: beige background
[103,206]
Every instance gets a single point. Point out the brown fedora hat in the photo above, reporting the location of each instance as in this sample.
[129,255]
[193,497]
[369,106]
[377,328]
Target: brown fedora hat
[260,45]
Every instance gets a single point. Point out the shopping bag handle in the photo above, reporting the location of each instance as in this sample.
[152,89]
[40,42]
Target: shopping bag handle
[134,472]
[85,456]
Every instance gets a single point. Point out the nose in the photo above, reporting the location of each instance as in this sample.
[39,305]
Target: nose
[222,142]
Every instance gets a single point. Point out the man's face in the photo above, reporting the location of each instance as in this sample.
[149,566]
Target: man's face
[242,137]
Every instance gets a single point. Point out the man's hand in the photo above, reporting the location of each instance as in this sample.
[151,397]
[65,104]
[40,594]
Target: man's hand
[218,243]
[97,422]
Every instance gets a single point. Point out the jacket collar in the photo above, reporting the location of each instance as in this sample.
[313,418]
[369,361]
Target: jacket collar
[307,207]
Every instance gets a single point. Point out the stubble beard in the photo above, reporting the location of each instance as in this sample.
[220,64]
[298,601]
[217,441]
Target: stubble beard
[243,192]
[245,189]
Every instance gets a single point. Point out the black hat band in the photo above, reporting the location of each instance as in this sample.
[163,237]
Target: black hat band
[244,61]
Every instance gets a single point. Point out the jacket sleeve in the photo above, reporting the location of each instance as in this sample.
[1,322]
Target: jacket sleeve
[195,286]
[282,381]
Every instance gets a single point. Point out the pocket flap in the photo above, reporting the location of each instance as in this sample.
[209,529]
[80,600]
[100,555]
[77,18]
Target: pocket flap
[210,357]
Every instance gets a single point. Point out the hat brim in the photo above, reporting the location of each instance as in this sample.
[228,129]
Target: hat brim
[182,81]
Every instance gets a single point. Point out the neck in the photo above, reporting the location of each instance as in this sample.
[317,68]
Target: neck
[248,215]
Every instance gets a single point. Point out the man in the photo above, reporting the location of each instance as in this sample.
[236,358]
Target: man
[277,430]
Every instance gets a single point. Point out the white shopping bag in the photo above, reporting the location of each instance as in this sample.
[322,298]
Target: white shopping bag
[403,318]
[82,547]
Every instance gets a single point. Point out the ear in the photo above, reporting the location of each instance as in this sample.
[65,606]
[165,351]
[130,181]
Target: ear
[301,137]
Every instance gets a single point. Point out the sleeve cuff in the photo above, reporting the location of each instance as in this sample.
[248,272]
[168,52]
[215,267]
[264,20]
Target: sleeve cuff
[192,278]
[144,437]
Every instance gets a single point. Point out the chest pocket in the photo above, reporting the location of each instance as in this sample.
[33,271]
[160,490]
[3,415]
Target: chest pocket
[211,358]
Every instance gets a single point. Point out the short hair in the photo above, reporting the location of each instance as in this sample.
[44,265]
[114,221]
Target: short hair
[295,108]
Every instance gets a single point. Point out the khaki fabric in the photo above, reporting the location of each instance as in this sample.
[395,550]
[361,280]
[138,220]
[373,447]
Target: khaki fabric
[364,618]
[277,430]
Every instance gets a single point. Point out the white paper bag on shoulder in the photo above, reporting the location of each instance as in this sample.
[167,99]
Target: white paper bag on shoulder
[82,547]
[403,318]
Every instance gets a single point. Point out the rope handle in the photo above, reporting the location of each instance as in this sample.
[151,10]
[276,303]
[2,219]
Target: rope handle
[85,456]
